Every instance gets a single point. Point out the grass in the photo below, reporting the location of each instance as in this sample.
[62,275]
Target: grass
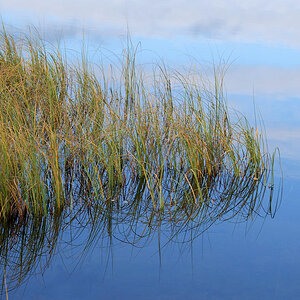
[123,154]
[70,135]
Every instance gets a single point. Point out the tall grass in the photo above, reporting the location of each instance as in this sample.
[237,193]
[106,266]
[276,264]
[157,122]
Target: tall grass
[72,135]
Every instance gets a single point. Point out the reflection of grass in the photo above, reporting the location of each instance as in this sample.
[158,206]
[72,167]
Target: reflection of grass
[68,136]
[29,247]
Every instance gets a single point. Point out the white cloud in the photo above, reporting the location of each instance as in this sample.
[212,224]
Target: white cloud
[273,21]
[288,141]
[264,80]
[258,81]
[285,135]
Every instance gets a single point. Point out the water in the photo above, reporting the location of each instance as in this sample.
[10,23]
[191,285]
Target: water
[249,260]
[257,259]
[233,259]
[225,263]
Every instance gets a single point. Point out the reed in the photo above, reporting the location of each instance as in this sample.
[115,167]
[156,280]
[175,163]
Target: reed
[69,135]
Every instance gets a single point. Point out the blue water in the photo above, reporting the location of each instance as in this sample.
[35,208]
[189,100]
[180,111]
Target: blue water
[231,260]
[253,260]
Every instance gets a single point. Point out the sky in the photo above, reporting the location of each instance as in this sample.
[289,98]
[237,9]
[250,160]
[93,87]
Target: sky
[260,39]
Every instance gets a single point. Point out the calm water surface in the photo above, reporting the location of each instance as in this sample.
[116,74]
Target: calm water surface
[257,259]
[231,260]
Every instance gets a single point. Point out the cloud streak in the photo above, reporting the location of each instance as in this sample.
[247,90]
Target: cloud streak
[247,21]
[264,80]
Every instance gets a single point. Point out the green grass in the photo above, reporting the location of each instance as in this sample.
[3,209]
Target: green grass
[71,136]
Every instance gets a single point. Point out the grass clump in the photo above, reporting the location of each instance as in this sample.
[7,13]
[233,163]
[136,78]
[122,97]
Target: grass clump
[69,135]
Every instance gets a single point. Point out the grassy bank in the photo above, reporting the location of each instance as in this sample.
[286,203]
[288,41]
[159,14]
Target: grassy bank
[70,135]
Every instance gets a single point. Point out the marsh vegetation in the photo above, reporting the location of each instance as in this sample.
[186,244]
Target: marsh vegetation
[104,149]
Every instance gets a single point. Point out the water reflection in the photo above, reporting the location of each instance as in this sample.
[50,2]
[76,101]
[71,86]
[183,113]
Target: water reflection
[28,244]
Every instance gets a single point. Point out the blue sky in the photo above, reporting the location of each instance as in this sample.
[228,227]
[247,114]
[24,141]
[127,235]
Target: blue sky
[261,40]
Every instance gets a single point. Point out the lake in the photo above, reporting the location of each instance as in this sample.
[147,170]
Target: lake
[248,249]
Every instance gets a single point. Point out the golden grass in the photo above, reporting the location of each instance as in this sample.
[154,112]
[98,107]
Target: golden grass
[69,136]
